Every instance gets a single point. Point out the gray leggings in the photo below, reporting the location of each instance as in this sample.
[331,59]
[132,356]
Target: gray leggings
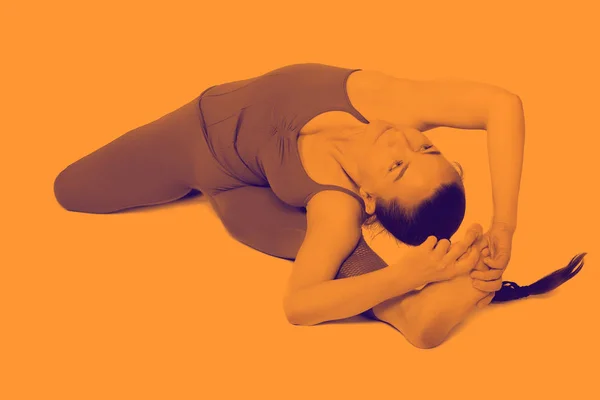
[165,160]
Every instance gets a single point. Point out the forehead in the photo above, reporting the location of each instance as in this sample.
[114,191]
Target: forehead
[431,167]
[425,174]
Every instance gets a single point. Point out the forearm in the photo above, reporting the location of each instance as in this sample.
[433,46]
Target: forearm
[343,298]
[506,138]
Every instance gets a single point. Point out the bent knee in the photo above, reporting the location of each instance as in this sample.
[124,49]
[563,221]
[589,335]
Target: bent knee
[63,190]
[71,194]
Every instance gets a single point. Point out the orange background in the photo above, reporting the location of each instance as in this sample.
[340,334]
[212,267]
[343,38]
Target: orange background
[162,303]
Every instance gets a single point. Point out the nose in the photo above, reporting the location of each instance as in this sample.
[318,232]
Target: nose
[414,139]
[410,141]
[402,138]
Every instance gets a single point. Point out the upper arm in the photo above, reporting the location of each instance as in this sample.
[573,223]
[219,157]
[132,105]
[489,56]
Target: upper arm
[333,231]
[425,104]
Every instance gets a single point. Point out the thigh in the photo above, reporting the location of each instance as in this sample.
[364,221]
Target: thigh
[256,217]
[259,219]
[151,164]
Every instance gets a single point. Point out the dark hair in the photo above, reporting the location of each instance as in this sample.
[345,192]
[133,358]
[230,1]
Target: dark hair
[440,215]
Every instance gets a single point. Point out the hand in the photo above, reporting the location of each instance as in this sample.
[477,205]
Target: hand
[487,275]
[486,279]
[500,244]
[439,261]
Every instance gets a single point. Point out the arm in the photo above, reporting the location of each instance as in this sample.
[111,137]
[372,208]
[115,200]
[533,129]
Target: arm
[333,230]
[506,140]
[458,104]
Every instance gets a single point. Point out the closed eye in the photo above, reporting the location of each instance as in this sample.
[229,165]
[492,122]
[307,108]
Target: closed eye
[395,165]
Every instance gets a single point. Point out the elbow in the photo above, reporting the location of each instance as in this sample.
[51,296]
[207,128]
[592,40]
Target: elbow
[299,313]
[506,108]
[506,99]
[292,312]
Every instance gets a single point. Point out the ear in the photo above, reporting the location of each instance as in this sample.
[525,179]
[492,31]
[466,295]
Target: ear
[369,200]
[458,168]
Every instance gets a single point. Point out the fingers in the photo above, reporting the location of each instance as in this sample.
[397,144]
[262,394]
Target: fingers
[486,300]
[498,262]
[441,248]
[461,247]
[487,286]
[480,266]
[429,243]
[467,263]
[489,275]
[481,243]
[466,254]
[475,228]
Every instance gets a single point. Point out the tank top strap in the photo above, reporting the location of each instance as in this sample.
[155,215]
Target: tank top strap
[323,188]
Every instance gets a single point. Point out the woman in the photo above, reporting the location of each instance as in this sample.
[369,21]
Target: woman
[295,161]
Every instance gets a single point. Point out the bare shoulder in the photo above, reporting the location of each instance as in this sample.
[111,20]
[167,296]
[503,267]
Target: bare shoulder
[333,231]
[334,205]
[370,93]
[423,104]
[334,218]
[368,78]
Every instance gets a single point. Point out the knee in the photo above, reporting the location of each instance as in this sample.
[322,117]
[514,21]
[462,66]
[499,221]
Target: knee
[67,191]
[61,190]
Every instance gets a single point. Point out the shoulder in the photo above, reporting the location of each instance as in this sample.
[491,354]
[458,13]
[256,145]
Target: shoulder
[333,232]
[368,79]
[334,207]
[314,74]
[373,94]
[423,104]
[333,229]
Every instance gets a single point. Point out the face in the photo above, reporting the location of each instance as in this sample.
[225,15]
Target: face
[400,163]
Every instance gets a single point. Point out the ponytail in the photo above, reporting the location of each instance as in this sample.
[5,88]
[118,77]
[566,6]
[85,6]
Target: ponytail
[511,291]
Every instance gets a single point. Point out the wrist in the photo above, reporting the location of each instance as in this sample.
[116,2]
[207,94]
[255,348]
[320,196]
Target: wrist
[504,225]
[409,277]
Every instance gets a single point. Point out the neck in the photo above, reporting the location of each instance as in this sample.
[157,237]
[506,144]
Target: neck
[346,148]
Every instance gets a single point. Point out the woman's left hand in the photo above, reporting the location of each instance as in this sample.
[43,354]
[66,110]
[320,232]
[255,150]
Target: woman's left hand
[500,244]
[487,276]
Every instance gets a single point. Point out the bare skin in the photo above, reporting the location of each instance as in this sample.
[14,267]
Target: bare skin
[426,317]
[390,159]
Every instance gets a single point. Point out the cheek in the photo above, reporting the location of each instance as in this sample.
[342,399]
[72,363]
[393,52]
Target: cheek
[372,169]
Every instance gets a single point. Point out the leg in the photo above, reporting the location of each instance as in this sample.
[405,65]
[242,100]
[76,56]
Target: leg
[256,217]
[151,164]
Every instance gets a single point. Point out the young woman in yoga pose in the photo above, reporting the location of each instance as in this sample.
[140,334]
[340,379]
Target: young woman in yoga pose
[297,160]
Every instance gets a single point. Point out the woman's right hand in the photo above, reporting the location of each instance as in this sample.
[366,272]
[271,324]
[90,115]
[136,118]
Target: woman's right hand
[439,261]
